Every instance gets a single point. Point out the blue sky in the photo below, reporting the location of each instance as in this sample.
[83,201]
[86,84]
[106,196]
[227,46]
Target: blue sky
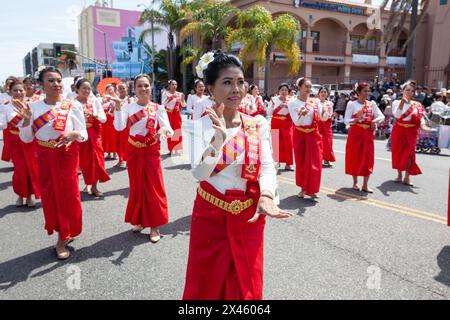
[25,24]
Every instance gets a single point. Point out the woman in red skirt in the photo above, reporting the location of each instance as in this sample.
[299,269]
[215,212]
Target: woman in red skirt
[5,97]
[362,115]
[92,161]
[237,185]
[110,135]
[174,101]
[281,127]
[58,126]
[23,155]
[148,123]
[122,140]
[409,120]
[325,128]
[306,115]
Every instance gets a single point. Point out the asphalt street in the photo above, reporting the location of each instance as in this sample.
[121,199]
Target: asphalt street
[393,244]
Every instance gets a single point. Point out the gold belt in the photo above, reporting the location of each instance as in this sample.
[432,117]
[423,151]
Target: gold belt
[235,207]
[304,130]
[140,145]
[89,125]
[364,126]
[406,125]
[279,117]
[14,132]
[47,144]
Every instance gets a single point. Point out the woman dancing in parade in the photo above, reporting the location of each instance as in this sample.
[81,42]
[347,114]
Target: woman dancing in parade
[306,115]
[148,124]
[363,116]
[409,120]
[92,161]
[123,136]
[237,188]
[199,102]
[281,127]
[173,101]
[325,127]
[23,155]
[59,126]
[5,97]
[110,135]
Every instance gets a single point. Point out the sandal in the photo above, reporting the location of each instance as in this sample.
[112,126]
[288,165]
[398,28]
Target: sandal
[19,203]
[155,238]
[367,190]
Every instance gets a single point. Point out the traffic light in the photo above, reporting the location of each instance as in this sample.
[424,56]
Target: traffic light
[58,52]
[130,46]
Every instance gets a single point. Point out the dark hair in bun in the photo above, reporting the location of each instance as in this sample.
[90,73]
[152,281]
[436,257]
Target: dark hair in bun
[222,60]
[80,82]
[284,85]
[47,70]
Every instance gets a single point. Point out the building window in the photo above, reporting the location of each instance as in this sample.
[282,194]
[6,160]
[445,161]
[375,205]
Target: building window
[444,2]
[316,40]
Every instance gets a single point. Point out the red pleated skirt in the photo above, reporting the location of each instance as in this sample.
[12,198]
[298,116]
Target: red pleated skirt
[25,177]
[176,142]
[147,203]
[92,161]
[58,181]
[403,148]
[327,139]
[225,251]
[282,134]
[308,160]
[123,144]
[110,135]
[360,152]
[6,154]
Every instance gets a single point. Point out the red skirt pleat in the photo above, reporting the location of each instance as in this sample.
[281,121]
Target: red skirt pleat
[327,139]
[92,161]
[176,142]
[110,135]
[404,149]
[282,134]
[123,144]
[6,154]
[147,203]
[25,177]
[58,182]
[360,152]
[308,160]
[225,252]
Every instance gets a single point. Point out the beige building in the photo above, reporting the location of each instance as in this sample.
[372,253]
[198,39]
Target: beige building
[334,46]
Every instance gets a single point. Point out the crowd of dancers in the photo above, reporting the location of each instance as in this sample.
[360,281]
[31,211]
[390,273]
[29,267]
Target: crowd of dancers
[49,138]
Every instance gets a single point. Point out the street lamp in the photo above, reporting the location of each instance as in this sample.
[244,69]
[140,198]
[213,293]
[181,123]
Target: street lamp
[105,43]
[153,50]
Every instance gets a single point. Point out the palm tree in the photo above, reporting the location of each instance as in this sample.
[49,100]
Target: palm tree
[260,34]
[208,19]
[171,15]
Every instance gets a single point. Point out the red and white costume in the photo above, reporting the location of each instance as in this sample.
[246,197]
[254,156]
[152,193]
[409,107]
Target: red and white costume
[92,160]
[225,251]
[307,144]
[23,155]
[173,103]
[147,203]
[360,148]
[6,155]
[58,167]
[326,132]
[252,106]
[122,139]
[110,135]
[197,105]
[281,130]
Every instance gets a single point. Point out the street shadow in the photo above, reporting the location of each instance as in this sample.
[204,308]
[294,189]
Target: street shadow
[13,209]
[20,269]
[124,192]
[391,186]
[7,170]
[181,226]
[165,156]
[5,185]
[111,171]
[295,203]
[344,194]
[179,167]
[443,261]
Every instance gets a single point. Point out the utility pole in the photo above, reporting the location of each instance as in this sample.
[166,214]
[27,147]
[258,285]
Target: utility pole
[412,43]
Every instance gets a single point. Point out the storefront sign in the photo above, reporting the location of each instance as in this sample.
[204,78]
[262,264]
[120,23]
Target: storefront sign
[365,59]
[329,59]
[398,61]
[331,7]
